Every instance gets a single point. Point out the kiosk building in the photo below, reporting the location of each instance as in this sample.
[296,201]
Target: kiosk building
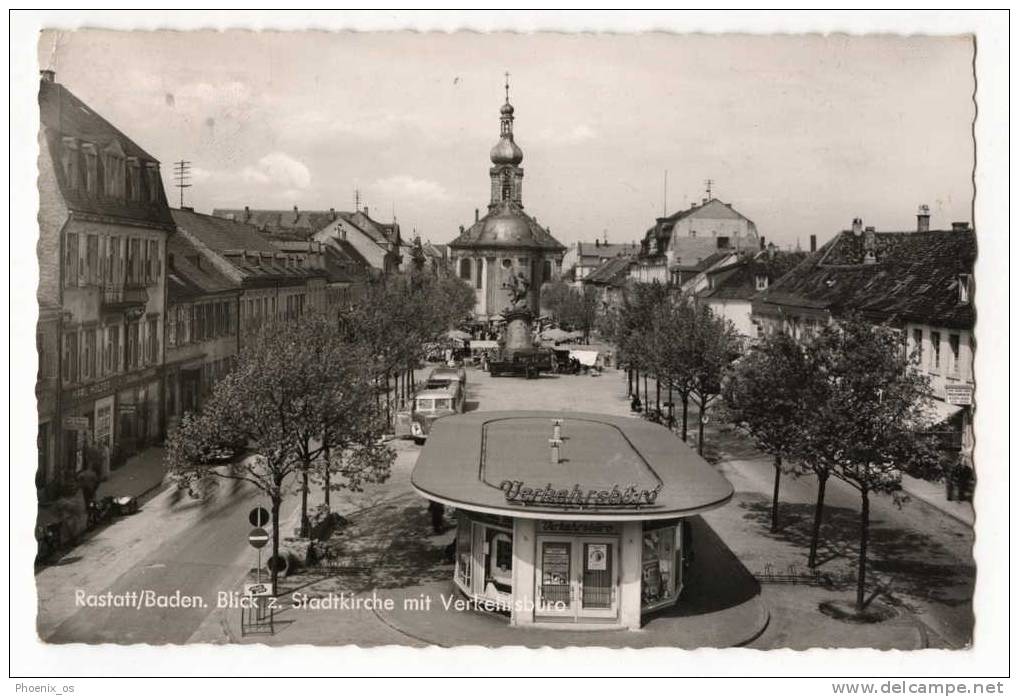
[566,519]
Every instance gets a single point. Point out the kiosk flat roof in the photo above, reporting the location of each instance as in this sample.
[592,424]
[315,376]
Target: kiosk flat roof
[610,468]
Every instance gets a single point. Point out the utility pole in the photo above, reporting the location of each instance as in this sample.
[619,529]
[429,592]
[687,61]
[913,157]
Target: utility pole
[182,177]
[707,185]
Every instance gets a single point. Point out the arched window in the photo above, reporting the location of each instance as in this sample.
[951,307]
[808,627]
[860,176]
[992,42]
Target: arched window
[465,269]
[507,186]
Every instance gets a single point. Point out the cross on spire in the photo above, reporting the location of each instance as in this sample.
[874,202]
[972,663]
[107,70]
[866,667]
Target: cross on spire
[507,87]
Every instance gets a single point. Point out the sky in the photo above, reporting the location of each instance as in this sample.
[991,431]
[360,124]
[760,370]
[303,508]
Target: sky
[801,134]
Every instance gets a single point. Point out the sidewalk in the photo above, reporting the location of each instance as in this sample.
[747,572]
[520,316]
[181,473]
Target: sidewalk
[933,494]
[138,476]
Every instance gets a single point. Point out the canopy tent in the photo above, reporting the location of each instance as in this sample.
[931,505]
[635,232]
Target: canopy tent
[458,335]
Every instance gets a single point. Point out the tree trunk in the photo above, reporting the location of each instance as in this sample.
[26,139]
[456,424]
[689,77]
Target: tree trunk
[686,409]
[275,508]
[818,513]
[629,381]
[658,394]
[774,495]
[645,393]
[305,522]
[861,575]
[700,427]
[326,474]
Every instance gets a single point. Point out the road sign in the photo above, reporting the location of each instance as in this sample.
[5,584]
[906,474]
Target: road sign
[258,517]
[257,589]
[76,423]
[258,537]
[961,395]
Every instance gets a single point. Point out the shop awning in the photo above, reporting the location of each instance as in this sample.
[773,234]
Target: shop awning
[610,468]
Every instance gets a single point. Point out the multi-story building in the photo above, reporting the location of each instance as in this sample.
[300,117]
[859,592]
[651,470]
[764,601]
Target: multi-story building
[581,258]
[379,244]
[202,328]
[920,282]
[684,242]
[103,227]
[730,289]
[273,283]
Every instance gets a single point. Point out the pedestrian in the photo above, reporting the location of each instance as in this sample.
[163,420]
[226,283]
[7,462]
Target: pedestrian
[88,482]
[437,512]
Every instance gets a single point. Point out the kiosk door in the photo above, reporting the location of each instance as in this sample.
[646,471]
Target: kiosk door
[598,578]
[555,595]
[577,578]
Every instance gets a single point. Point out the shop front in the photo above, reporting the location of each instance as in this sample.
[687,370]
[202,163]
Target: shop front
[567,519]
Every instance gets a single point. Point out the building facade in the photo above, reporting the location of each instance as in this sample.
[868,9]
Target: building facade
[919,282]
[103,227]
[506,247]
[691,241]
[582,258]
[202,328]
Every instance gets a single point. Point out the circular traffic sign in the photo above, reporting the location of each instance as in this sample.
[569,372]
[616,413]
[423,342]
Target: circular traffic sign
[258,538]
[258,517]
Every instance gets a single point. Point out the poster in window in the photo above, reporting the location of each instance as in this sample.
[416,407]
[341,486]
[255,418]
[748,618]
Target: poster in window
[556,563]
[597,557]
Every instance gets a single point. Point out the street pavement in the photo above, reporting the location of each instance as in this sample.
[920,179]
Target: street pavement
[187,547]
[200,550]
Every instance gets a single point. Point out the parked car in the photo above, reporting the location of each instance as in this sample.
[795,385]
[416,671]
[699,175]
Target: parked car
[429,405]
[444,376]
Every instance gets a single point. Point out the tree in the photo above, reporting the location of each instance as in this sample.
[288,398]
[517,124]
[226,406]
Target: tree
[713,344]
[631,329]
[668,343]
[768,395]
[871,426]
[269,404]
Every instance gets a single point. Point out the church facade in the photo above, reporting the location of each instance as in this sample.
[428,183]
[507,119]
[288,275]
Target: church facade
[506,252]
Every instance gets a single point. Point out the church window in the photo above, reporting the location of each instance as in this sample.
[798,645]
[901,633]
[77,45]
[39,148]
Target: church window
[507,186]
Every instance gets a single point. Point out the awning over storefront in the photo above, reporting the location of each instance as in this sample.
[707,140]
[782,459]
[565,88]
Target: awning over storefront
[608,468]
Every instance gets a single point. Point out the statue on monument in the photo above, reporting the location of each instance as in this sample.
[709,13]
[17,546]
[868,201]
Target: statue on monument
[518,287]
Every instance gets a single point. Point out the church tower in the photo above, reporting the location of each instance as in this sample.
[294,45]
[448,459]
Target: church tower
[506,173]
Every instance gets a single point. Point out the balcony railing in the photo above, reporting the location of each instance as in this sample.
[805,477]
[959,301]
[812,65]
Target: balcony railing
[120,297]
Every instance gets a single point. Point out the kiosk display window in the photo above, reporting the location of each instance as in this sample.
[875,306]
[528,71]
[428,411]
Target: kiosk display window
[660,565]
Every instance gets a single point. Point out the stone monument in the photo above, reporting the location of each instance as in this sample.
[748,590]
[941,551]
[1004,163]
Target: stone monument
[518,315]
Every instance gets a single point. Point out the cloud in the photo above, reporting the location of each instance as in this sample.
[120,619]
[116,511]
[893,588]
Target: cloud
[579,133]
[403,185]
[278,169]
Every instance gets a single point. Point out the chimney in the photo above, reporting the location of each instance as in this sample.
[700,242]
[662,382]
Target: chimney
[366,210]
[857,226]
[762,244]
[813,243]
[597,243]
[332,214]
[960,226]
[869,246]
[477,215]
[47,76]
[923,218]
[703,201]
[247,214]
[461,229]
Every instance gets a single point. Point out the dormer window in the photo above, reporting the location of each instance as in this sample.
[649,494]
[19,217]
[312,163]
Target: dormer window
[761,282]
[91,168]
[69,161]
[134,180]
[152,181]
[114,164]
[965,284]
